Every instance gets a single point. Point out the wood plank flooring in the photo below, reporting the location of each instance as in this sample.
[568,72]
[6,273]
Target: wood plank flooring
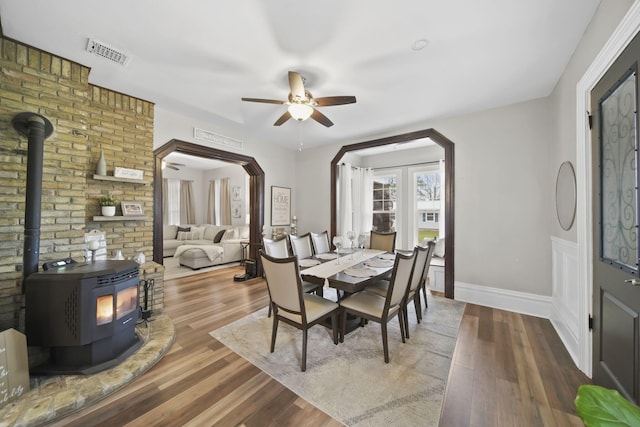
[507,370]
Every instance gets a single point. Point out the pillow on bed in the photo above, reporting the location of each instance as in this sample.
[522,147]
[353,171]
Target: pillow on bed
[219,236]
[188,235]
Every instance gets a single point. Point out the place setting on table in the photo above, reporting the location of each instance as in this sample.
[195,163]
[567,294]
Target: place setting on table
[348,269]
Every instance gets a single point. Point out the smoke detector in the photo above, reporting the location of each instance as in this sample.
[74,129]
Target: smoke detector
[100,49]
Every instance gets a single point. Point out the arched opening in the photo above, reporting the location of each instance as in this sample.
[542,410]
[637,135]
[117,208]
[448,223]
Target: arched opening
[448,147]
[256,189]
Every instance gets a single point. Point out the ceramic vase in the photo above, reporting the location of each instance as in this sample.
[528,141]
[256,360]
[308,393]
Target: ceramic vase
[108,210]
[102,165]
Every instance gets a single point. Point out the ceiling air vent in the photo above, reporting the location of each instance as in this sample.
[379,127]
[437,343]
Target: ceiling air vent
[101,49]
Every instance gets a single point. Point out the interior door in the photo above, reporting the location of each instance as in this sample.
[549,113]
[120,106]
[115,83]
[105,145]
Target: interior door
[616,294]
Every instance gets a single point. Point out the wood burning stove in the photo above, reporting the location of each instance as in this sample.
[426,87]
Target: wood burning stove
[86,313]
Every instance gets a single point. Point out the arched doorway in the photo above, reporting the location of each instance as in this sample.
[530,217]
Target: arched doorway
[256,189]
[448,147]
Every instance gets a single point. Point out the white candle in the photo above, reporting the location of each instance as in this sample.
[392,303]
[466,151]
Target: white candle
[94,245]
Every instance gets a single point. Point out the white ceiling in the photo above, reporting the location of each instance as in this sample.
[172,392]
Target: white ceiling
[200,57]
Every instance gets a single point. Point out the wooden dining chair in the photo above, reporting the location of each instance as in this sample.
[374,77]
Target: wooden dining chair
[425,277]
[373,307]
[383,241]
[278,248]
[413,290]
[292,305]
[301,245]
[320,242]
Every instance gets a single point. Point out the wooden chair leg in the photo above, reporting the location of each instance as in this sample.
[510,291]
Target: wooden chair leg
[385,344]
[334,326]
[304,350]
[274,331]
[343,324]
[402,328]
[418,305]
[405,318]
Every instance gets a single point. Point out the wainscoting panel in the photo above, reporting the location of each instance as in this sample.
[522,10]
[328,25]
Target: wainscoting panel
[566,294]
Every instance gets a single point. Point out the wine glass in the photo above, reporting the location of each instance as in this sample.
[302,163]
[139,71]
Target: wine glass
[337,242]
[362,241]
[351,235]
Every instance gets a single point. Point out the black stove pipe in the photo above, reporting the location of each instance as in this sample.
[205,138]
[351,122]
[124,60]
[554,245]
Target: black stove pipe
[36,128]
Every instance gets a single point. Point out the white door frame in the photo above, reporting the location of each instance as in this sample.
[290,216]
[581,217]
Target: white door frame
[621,37]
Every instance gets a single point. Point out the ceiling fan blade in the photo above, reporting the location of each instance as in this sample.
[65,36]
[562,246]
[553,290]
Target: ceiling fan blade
[334,100]
[267,101]
[172,167]
[321,118]
[283,118]
[297,85]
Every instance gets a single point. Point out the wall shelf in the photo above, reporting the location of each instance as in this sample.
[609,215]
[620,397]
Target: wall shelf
[121,218]
[116,179]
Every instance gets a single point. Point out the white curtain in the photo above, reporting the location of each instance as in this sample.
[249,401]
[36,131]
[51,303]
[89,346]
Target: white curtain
[442,201]
[211,203]
[225,202]
[345,207]
[187,204]
[362,200]
[171,212]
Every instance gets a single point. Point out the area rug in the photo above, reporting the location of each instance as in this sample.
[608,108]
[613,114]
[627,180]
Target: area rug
[350,381]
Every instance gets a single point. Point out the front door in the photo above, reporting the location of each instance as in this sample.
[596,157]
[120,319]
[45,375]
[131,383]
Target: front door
[616,294]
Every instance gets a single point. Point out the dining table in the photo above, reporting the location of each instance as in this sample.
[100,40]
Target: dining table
[351,272]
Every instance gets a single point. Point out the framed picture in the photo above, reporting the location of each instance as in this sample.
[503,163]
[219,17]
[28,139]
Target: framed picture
[236,192]
[280,206]
[131,208]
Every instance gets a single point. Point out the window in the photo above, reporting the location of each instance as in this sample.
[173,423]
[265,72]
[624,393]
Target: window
[384,203]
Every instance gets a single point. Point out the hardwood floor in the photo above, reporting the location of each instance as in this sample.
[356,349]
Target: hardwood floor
[507,370]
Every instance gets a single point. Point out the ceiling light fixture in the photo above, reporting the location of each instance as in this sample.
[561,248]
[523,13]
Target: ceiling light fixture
[300,111]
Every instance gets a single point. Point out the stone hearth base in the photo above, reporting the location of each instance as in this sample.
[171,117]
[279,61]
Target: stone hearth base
[51,398]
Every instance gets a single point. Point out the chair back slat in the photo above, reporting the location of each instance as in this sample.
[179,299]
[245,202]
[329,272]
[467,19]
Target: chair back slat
[321,242]
[400,278]
[431,245]
[283,282]
[277,248]
[422,254]
[383,241]
[301,246]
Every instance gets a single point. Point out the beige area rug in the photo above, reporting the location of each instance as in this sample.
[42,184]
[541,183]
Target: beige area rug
[173,269]
[350,381]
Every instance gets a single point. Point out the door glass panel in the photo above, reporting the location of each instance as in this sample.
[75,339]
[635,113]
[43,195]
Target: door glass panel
[618,176]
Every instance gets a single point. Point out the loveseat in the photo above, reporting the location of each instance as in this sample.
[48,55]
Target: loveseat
[225,239]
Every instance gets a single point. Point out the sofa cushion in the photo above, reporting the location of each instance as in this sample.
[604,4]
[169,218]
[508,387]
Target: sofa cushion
[188,235]
[169,232]
[219,235]
[229,234]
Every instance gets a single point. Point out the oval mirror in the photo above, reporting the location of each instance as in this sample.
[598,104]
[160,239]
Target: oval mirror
[566,195]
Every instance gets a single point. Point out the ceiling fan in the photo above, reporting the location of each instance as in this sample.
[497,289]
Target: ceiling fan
[172,165]
[301,104]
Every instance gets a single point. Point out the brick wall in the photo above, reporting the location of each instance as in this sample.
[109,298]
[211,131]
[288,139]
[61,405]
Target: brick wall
[86,121]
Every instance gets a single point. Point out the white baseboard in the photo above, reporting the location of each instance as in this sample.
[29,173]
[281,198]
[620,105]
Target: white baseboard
[503,299]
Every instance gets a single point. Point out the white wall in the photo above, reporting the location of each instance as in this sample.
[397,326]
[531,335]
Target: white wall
[506,161]
[277,162]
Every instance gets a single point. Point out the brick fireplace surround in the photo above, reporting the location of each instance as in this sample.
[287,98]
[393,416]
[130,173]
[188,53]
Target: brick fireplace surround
[87,120]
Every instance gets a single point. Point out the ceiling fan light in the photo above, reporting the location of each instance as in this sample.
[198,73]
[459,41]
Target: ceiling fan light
[300,111]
